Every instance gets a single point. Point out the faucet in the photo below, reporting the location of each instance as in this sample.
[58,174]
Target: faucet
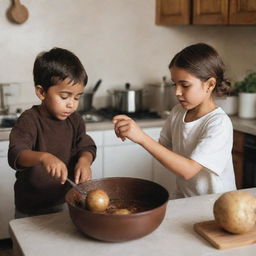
[4,109]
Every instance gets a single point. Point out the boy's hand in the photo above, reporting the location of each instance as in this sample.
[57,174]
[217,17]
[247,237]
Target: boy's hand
[83,170]
[54,167]
[125,127]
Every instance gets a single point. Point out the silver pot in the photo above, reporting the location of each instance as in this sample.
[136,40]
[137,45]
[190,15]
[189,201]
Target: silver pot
[85,103]
[126,100]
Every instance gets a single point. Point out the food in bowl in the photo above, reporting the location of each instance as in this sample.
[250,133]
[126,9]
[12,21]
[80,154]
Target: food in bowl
[146,200]
[97,200]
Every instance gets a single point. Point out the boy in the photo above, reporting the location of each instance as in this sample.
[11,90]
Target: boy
[48,142]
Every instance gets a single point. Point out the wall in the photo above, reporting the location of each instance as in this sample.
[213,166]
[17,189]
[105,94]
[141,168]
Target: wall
[116,41]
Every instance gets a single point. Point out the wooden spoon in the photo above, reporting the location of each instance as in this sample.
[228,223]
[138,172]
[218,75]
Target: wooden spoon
[18,13]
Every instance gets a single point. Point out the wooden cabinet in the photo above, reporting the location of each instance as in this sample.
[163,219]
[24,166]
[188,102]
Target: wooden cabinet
[242,12]
[238,157]
[210,12]
[206,12]
[173,12]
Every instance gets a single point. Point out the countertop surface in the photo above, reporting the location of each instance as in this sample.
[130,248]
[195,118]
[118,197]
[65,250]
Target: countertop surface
[55,234]
[239,124]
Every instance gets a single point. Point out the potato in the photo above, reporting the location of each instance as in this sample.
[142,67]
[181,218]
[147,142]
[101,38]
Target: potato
[235,211]
[122,211]
[97,200]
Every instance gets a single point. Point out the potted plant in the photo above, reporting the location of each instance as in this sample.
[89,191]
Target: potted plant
[246,89]
[227,99]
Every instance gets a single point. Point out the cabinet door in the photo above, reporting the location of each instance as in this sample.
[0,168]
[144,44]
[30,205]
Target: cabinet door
[243,12]
[127,161]
[97,166]
[210,12]
[238,168]
[7,179]
[173,12]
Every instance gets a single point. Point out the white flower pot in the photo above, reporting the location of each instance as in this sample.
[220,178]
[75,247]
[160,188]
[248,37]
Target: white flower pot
[228,103]
[247,105]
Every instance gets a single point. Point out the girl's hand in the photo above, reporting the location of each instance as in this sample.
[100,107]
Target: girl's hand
[83,170]
[54,167]
[125,127]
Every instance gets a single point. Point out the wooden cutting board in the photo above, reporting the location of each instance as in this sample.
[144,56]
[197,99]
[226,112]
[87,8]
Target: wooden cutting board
[222,239]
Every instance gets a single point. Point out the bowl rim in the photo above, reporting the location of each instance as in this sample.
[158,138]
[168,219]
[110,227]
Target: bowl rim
[164,204]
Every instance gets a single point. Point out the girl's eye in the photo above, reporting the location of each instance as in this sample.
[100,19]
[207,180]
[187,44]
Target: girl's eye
[77,97]
[185,85]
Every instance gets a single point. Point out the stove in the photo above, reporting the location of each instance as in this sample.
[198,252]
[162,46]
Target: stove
[108,113]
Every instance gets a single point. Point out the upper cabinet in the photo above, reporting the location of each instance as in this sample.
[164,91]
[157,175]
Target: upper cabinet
[206,12]
[242,12]
[173,12]
[210,12]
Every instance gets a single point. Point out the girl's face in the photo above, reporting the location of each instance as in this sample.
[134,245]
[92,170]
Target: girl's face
[62,99]
[190,91]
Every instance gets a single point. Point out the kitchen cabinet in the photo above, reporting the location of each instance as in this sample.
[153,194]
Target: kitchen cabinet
[206,12]
[238,157]
[173,12]
[97,166]
[127,158]
[7,179]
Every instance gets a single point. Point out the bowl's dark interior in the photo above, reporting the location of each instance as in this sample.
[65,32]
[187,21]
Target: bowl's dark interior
[125,191]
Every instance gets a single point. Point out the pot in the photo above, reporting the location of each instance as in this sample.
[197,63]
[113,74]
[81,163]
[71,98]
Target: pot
[126,100]
[160,97]
[150,197]
[85,103]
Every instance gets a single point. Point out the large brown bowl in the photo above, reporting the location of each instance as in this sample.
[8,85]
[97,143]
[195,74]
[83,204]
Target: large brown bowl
[117,228]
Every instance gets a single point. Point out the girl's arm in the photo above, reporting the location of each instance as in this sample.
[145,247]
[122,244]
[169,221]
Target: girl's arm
[125,127]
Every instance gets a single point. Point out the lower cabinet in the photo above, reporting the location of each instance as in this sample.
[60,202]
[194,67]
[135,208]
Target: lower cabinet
[117,158]
[7,179]
[238,157]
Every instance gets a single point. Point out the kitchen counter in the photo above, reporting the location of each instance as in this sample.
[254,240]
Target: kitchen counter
[239,124]
[55,234]
[97,126]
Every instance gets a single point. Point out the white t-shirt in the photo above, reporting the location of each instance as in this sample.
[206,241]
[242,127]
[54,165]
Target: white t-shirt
[208,141]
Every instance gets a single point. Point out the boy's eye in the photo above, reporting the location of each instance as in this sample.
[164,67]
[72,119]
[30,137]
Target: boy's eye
[78,97]
[64,96]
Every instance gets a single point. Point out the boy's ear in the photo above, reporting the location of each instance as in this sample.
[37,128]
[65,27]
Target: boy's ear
[40,92]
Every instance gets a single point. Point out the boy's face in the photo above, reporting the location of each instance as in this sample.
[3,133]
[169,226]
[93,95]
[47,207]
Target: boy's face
[62,99]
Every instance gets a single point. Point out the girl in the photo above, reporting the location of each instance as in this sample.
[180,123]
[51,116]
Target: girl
[196,140]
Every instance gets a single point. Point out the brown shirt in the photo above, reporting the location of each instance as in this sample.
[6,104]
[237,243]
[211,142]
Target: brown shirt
[65,139]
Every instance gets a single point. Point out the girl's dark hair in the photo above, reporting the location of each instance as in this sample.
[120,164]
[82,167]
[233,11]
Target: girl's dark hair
[203,61]
[57,65]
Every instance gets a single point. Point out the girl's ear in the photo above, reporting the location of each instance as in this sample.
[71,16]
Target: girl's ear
[40,92]
[211,83]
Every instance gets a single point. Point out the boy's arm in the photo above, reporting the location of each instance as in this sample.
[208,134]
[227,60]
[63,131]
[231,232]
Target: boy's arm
[53,165]
[83,167]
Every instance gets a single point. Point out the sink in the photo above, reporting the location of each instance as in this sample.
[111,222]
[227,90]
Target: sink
[7,121]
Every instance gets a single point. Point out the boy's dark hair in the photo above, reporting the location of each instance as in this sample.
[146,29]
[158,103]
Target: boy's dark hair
[57,65]
[203,61]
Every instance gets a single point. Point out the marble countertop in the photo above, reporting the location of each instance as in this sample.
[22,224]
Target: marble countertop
[239,124]
[55,234]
